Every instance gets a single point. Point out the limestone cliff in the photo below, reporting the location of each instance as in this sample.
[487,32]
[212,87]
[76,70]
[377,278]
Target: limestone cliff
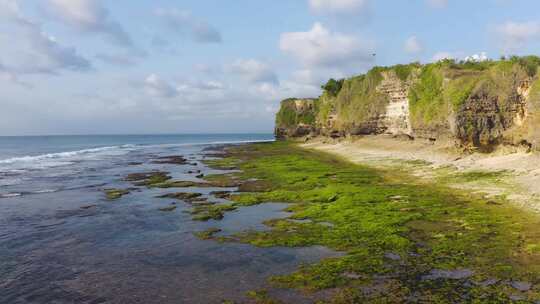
[474,104]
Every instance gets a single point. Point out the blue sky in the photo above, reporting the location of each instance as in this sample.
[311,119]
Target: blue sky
[163,66]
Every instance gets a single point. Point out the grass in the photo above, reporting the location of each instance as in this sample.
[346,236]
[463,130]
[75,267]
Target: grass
[376,212]
[441,95]
[426,96]
[289,116]
[358,101]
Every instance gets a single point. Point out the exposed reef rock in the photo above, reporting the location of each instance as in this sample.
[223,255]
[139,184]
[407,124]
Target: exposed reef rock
[472,104]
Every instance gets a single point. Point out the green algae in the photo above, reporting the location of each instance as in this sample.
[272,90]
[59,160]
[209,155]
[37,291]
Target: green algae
[222,163]
[379,213]
[211,212]
[114,194]
[207,234]
[186,196]
[149,179]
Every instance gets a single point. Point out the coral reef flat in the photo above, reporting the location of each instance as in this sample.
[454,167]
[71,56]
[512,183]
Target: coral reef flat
[403,239]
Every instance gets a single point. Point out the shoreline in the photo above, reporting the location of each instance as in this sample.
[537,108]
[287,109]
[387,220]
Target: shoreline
[512,173]
[397,232]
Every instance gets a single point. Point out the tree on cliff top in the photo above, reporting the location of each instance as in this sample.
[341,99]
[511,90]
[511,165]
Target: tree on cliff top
[333,86]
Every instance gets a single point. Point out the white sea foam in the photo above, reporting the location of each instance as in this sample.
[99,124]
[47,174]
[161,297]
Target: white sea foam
[8,195]
[60,158]
[233,142]
[45,191]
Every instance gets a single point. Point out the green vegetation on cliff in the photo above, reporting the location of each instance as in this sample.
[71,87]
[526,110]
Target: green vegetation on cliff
[477,103]
[333,87]
[289,115]
[401,238]
[358,102]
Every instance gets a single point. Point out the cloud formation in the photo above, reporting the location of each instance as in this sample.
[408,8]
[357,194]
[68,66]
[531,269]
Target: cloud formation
[442,55]
[337,6]
[90,17]
[31,50]
[184,22]
[254,71]
[413,45]
[515,35]
[438,3]
[319,47]
[157,87]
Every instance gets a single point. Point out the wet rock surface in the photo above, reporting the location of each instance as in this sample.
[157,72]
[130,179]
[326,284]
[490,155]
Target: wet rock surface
[171,160]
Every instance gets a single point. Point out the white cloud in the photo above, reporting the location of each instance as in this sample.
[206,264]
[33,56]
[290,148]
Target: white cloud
[515,35]
[88,16]
[209,86]
[157,87]
[308,77]
[30,50]
[413,45]
[320,47]
[337,6]
[183,21]
[254,71]
[442,55]
[477,57]
[438,3]
[117,59]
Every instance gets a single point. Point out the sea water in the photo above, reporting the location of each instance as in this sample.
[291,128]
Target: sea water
[62,241]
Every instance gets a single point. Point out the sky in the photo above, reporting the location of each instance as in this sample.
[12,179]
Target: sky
[215,66]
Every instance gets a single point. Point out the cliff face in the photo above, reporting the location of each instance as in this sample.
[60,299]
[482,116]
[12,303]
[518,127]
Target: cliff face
[478,105]
[296,118]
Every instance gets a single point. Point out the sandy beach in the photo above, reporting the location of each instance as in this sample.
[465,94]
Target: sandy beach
[520,182]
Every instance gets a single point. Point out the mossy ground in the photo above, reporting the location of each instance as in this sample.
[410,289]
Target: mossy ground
[394,230]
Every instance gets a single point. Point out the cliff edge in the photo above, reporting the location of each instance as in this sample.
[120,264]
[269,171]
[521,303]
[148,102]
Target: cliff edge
[478,105]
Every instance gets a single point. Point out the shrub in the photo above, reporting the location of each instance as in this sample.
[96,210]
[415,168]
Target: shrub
[333,87]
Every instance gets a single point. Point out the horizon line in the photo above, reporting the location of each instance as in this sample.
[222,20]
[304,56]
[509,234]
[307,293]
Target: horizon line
[141,134]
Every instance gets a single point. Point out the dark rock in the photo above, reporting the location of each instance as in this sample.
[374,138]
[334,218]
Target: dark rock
[489,282]
[457,274]
[521,286]
[221,194]
[168,208]
[172,160]
[392,256]
[144,176]
[88,207]
[188,196]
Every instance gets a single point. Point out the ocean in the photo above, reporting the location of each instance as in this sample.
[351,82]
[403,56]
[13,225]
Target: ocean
[62,241]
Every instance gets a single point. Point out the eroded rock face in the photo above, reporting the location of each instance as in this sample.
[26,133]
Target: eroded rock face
[397,120]
[471,108]
[296,118]
[485,118]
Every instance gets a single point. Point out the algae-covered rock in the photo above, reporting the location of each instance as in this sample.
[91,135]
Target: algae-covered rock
[113,194]
[171,160]
[168,208]
[148,178]
[208,234]
[187,196]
